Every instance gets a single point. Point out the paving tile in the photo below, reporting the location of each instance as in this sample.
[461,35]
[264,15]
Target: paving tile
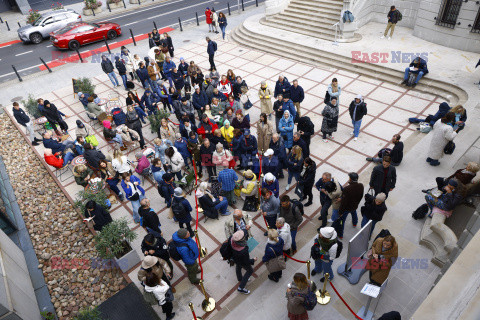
[383,129]
[299,69]
[411,103]
[360,87]
[383,94]
[268,73]
[282,64]
[266,59]
[348,160]
[318,75]
[252,67]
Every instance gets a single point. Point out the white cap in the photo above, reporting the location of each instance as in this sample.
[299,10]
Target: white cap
[327,232]
[359,97]
[268,153]
[269,177]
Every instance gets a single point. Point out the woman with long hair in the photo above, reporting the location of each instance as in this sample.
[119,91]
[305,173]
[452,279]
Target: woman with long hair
[294,165]
[264,133]
[296,293]
[167,130]
[169,44]
[460,117]
[334,91]
[230,76]
[273,249]
[222,21]
[330,119]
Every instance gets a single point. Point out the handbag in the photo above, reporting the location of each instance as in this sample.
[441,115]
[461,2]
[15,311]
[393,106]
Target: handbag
[276,264]
[92,140]
[449,148]
[169,295]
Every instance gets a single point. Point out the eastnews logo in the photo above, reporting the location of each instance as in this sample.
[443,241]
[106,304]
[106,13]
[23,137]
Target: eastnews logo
[405,264]
[387,57]
[72,57]
[58,263]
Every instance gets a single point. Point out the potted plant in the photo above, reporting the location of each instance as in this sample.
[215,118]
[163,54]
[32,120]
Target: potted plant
[85,85]
[115,4]
[31,106]
[57,6]
[33,15]
[94,191]
[136,1]
[89,314]
[114,243]
[91,6]
[156,118]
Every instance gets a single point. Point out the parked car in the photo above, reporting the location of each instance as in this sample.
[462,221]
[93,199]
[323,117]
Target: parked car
[47,23]
[78,34]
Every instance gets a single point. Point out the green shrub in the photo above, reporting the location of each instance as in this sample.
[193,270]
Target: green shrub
[155,119]
[31,106]
[83,196]
[113,241]
[89,314]
[85,85]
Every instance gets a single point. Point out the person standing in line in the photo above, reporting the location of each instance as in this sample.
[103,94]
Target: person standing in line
[211,48]
[265,94]
[264,133]
[284,233]
[159,288]
[169,42]
[228,177]
[242,260]
[133,122]
[188,250]
[208,18]
[133,192]
[278,109]
[394,16]
[325,202]
[182,210]
[239,221]
[222,21]
[373,209]
[150,220]
[357,109]
[24,120]
[273,249]
[326,246]
[330,119]
[307,179]
[296,292]
[334,91]
[214,20]
[292,215]
[270,208]
[107,67]
[295,165]
[384,177]
[122,70]
[297,95]
[351,197]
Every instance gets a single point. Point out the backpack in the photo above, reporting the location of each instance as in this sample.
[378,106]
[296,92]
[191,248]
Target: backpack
[310,300]
[172,250]
[130,85]
[226,250]
[297,204]
[214,46]
[348,16]
[178,209]
[315,250]
[382,234]
[420,212]
[150,298]
[425,127]
[327,97]
[400,16]
[161,190]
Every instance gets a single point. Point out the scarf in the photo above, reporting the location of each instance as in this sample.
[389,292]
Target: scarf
[334,87]
[238,245]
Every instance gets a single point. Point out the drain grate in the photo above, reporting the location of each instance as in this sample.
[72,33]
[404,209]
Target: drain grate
[186,41]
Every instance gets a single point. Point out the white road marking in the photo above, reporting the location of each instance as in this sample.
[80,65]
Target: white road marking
[21,70]
[147,9]
[21,54]
[50,46]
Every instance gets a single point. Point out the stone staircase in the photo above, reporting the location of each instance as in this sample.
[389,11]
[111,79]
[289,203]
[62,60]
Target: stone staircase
[310,17]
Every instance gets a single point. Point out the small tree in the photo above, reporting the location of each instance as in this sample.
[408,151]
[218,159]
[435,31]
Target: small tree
[85,85]
[99,196]
[92,4]
[156,119]
[33,15]
[57,6]
[89,314]
[31,105]
[113,241]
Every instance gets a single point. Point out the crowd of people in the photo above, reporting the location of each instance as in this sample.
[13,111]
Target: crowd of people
[212,130]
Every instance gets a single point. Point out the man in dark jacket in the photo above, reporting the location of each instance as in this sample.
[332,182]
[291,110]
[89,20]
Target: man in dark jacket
[54,117]
[282,86]
[178,80]
[24,120]
[357,109]
[211,48]
[187,109]
[237,87]
[56,145]
[393,17]
[122,70]
[149,219]
[278,147]
[99,215]
[93,156]
[156,246]
[166,188]
[297,95]
[373,209]
[142,74]
[292,215]
[306,128]
[396,153]
[206,153]
[351,196]
[217,94]
[199,100]
[186,127]
[107,67]
[417,66]
[278,109]
[249,149]
[150,101]
[196,78]
[298,141]
[181,210]
[325,200]
[384,177]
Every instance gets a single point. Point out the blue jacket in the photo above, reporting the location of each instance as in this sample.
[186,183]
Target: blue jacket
[199,100]
[422,66]
[182,148]
[274,187]
[119,117]
[128,190]
[84,100]
[279,149]
[21,116]
[249,145]
[236,146]
[168,67]
[279,86]
[148,103]
[294,165]
[287,132]
[183,68]
[272,166]
[189,253]
[143,74]
[290,107]
[297,94]
[166,188]
[54,145]
[277,250]
[211,47]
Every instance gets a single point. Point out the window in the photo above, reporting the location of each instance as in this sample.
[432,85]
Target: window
[60,17]
[83,29]
[476,23]
[448,15]
[48,21]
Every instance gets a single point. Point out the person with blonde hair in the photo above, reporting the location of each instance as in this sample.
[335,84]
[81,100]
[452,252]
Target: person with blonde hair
[120,162]
[460,117]
[273,249]
[296,292]
[160,146]
[82,174]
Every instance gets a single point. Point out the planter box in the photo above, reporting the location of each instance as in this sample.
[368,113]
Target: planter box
[88,12]
[117,5]
[128,261]
[136,1]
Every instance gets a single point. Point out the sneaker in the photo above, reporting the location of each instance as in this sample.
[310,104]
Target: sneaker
[265,233]
[121,197]
[325,140]
[382,37]
[37,140]
[369,159]
[309,203]
[404,82]
[287,187]
[355,139]
[171,316]
[313,272]
[351,133]
[331,137]
[226,213]
[243,290]
[389,38]
[414,85]
[330,220]
[429,159]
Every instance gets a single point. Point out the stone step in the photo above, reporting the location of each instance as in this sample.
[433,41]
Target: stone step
[320,57]
[315,9]
[317,32]
[318,4]
[322,22]
[302,14]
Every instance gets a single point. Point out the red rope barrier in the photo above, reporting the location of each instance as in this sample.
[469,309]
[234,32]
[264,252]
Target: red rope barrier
[338,294]
[286,255]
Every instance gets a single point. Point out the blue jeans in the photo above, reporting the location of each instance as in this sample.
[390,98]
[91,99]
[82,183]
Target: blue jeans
[112,183]
[324,212]
[407,73]
[124,79]
[113,78]
[294,235]
[365,221]
[135,207]
[293,174]
[344,218]
[325,267]
[223,31]
[68,157]
[356,127]
[141,113]
[222,206]
[158,176]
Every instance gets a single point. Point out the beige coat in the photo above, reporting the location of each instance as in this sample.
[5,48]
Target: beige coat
[264,134]
[265,100]
[168,133]
[381,268]
[157,270]
[337,194]
[230,225]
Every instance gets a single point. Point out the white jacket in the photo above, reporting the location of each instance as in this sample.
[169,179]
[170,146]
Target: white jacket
[285,234]
[159,291]
[121,167]
[176,161]
[441,134]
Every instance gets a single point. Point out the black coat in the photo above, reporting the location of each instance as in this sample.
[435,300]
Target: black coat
[208,206]
[306,125]
[308,177]
[242,257]
[120,67]
[149,219]
[376,179]
[297,94]
[276,105]
[21,116]
[397,153]
[361,110]
[159,246]
[100,217]
[133,122]
[371,210]
[206,154]
[302,144]
[93,157]
[51,113]
[237,88]
[107,66]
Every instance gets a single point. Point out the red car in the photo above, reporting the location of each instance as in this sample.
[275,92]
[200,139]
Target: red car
[78,34]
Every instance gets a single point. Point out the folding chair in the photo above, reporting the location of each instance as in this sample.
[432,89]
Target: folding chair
[113,101]
[92,120]
[187,182]
[62,173]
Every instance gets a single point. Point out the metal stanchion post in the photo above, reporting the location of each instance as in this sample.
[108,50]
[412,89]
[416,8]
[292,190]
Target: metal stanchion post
[19,24]
[108,6]
[256,3]
[79,55]
[243,7]
[209,303]
[155,25]
[180,24]
[138,1]
[193,312]
[93,12]
[1,20]
[124,5]
[133,38]
[8,27]
[228,5]
[46,65]
[106,43]
[203,251]
[16,72]
[323,297]
[196,16]
[312,284]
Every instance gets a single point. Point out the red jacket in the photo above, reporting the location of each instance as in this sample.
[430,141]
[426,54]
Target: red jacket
[208,15]
[201,130]
[54,161]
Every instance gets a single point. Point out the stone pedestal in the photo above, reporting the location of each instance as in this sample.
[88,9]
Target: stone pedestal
[347,29]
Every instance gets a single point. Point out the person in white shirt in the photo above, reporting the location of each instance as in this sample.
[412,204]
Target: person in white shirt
[161,291]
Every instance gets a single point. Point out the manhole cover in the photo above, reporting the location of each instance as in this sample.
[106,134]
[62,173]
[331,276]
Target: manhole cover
[186,41]
[16,99]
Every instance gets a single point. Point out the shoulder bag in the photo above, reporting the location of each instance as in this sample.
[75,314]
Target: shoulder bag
[276,264]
